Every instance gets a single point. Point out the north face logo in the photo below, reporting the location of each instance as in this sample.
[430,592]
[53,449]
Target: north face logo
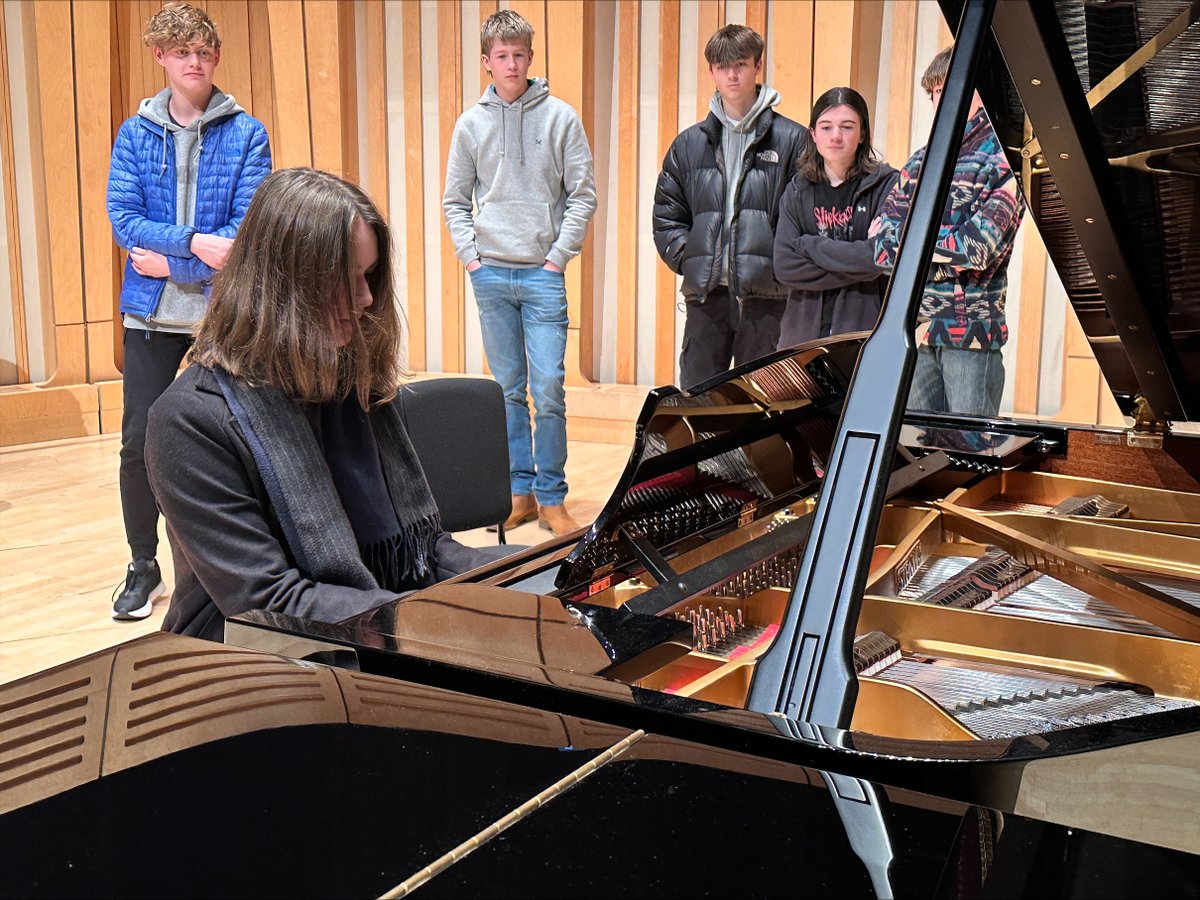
[768,156]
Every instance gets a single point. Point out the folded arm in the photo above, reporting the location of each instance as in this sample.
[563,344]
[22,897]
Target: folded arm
[980,240]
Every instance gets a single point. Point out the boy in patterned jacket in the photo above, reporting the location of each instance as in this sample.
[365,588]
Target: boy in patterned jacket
[959,366]
[183,171]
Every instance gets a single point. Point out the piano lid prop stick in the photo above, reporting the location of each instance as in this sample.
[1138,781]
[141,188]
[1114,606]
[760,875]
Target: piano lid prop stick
[808,674]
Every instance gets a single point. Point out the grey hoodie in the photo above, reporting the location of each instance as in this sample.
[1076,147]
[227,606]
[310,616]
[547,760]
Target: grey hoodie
[528,168]
[736,138]
[181,305]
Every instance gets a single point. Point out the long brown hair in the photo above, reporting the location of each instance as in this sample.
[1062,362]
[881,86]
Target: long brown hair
[810,164]
[270,321]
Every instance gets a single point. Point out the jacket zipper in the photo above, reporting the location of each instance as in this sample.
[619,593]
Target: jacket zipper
[737,194]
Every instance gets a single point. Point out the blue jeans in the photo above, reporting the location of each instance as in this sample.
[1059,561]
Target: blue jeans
[523,316]
[947,379]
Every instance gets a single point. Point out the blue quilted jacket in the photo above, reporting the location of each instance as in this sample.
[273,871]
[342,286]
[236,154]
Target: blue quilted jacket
[234,158]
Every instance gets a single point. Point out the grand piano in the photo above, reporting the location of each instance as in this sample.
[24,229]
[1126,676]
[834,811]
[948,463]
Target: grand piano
[814,643]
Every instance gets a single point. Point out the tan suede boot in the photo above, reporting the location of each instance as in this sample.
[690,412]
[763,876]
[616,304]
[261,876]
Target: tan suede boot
[524,509]
[557,520]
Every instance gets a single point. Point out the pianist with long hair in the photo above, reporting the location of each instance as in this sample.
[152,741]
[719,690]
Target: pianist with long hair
[278,458]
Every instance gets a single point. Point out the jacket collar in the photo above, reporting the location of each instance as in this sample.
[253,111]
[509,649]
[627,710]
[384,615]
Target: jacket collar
[713,128]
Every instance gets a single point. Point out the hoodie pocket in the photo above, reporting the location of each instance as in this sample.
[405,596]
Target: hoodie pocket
[514,231]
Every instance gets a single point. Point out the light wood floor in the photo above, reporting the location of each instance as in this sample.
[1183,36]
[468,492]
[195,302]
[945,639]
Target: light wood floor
[63,551]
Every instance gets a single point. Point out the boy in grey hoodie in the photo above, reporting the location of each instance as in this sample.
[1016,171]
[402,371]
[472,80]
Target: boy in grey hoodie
[519,196]
[182,175]
[716,205]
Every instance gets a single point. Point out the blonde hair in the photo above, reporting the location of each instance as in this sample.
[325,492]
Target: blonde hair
[937,70]
[273,304]
[180,25]
[506,26]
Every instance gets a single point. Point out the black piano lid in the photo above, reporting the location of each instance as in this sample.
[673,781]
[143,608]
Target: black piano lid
[713,453]
[1111,175]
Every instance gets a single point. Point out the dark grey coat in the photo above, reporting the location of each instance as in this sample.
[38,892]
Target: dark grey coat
[689,206]
[229,550]
[810,264]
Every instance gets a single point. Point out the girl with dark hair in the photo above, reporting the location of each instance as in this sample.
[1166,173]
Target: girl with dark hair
[279,458]
[822,253]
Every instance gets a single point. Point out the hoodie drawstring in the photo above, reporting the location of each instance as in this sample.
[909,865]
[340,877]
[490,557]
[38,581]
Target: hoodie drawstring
[163,170]
[521,131]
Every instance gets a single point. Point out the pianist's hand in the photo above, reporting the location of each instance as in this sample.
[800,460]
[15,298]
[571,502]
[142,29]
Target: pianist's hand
[149,263]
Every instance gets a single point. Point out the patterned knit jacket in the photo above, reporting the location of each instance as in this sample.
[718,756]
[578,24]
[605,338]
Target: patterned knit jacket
[964,297]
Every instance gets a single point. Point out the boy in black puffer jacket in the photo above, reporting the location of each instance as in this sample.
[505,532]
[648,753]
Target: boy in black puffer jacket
[715,210]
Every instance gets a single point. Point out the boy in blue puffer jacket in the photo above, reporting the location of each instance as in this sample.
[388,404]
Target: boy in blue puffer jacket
[182,175]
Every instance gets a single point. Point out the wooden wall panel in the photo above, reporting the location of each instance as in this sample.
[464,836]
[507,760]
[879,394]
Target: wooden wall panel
[864,59]
[145,77]
[628,82]
[414,191]
[70,355]
[322,49]
[1026,378]
[449,48]
[233,74]
[756,16]
[8,182]
[568,62]
[710,16]
[834,28]
[902,41]
[262,88]
[93,119]
[376,113]
[291,144]
[581,343]
[486,8]
[793,74]
[348,85]
[1081,377]
[101,350]
[668,116]
[945,32]
[52,26]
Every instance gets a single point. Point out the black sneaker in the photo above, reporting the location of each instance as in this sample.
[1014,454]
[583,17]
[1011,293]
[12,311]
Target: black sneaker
[143,582]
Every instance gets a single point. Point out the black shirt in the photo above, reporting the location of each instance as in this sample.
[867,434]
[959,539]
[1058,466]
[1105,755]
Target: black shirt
[833,209]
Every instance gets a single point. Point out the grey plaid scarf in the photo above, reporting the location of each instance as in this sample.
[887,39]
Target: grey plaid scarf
[306,503]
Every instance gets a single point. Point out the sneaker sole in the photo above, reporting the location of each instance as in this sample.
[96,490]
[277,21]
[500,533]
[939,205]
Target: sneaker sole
[145,609]
[528,517]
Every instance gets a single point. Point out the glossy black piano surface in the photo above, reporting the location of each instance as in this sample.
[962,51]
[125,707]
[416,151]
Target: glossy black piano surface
[1021,622]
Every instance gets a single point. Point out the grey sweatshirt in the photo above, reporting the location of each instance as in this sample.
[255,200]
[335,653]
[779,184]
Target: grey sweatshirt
[182,305]
[736,137]
[528,168]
